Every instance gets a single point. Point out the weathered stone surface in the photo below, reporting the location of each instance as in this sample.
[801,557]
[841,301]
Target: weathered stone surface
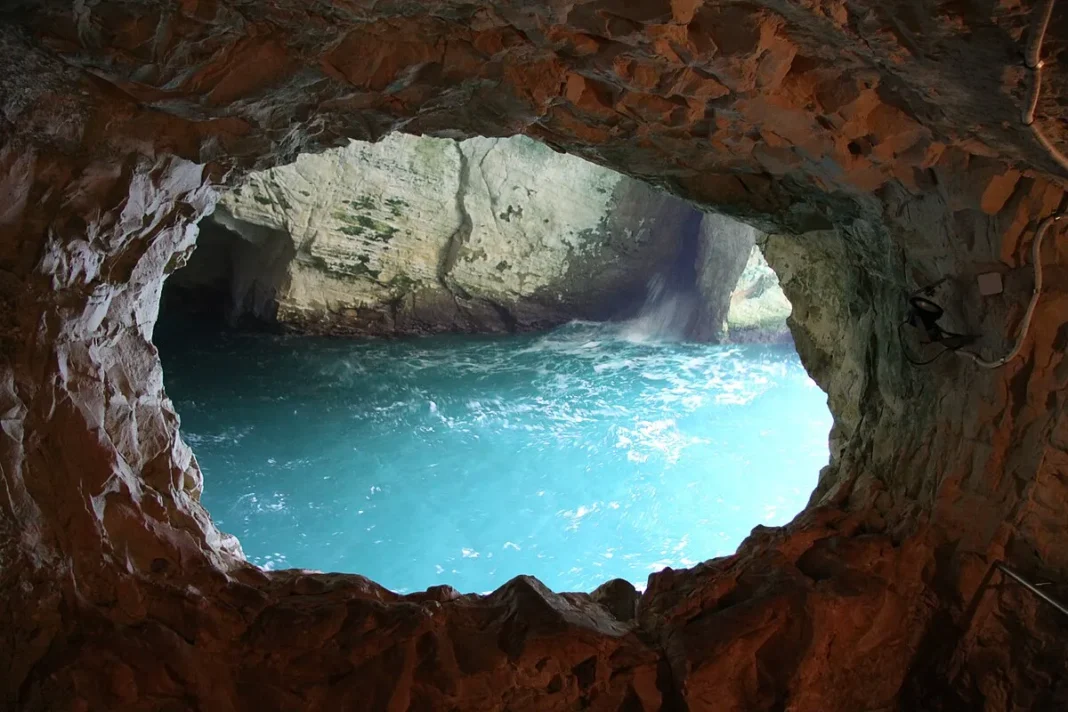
[754,630]
[879,143]
[723,249]
[740,299]
[758,307]
[619,597]
[420,234]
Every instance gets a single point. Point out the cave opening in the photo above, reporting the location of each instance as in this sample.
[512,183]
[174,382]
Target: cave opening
[882,146]
[581,378]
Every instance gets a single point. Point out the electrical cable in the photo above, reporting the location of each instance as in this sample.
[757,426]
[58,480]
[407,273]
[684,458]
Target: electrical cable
[924,314]
[1033,61]
[1025,325]
[1033,58]
[908,355]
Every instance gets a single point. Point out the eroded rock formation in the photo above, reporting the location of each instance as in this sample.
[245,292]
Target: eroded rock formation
[758,308]
[740,299]
[416,235]
[879,142]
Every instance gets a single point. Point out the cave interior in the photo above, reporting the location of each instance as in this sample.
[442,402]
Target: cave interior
[882,146]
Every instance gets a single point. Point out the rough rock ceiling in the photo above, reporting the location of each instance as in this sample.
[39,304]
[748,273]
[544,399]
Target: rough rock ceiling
[881,139]
[720,100]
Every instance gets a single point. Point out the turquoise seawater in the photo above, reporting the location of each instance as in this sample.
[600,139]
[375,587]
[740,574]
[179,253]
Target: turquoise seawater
[578,456]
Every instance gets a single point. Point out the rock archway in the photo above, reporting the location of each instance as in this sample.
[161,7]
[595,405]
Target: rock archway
[879,142]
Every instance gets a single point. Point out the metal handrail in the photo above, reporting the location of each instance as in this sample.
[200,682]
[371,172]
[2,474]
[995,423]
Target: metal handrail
[1001,566]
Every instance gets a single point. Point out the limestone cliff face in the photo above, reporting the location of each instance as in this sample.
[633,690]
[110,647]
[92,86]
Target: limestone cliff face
[421,234]
[758,307]
[739,295]
[417,234]
[878,142]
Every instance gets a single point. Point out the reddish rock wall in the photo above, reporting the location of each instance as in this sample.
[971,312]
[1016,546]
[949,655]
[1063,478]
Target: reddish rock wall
[881,140]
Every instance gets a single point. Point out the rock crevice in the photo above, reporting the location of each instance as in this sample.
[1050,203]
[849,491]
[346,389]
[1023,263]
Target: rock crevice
[451,253]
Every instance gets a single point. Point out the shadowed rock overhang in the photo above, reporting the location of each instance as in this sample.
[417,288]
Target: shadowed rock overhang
[881,145]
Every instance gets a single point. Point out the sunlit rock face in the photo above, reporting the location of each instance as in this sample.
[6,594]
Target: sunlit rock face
[416,235]
[758,308]
[421,235]
[879,143]
[740,299]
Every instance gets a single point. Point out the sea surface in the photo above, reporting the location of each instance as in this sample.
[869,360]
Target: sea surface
[588,453]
